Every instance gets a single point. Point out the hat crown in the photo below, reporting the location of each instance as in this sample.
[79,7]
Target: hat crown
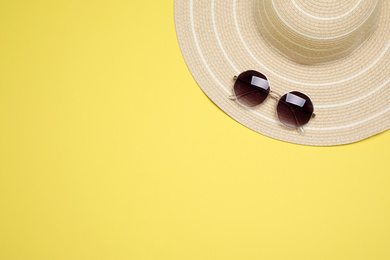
[316,31]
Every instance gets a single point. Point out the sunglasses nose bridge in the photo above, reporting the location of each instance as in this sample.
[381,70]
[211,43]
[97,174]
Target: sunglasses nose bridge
[274,95]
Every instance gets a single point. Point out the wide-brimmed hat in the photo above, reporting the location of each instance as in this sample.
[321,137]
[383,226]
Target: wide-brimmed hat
[336,52]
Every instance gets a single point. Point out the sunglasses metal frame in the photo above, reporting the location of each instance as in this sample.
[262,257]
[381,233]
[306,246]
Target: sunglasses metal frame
[277,97]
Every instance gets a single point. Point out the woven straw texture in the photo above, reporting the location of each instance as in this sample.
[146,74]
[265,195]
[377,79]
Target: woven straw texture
[336,52]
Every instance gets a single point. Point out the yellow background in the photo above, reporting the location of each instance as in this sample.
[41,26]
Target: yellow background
[109,150]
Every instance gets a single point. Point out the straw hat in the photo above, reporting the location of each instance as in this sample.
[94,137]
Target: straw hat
[336,52]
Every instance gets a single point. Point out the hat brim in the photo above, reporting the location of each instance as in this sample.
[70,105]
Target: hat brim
[220,39]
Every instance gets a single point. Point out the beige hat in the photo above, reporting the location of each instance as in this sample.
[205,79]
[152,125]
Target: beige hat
[336,52]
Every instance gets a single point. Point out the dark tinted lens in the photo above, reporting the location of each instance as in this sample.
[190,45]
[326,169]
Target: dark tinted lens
[295,109]
[251,88]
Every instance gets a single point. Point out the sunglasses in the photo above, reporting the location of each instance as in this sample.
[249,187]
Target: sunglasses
[294,109]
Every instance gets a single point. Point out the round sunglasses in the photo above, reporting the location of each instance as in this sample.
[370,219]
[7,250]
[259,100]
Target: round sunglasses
[294,109]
